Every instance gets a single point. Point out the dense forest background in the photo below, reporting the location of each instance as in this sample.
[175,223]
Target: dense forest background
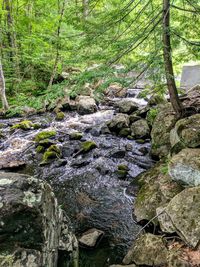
[40,39]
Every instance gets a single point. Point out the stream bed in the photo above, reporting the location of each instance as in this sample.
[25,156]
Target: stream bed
[87,186]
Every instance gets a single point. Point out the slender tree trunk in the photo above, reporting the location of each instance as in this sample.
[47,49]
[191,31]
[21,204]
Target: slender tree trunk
[177,106]
[11,35]
[3,89]
[56,61]
[85,9]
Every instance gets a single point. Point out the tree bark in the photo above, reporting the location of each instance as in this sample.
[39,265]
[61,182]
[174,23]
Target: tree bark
[56,61]
[177,106]
[3,89]
[85,9]
[11,35]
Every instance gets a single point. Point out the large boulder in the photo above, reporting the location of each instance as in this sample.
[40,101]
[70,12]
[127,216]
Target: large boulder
[140,129]
[86,105]
[118,122]
[33,228]
[183,216]
[148,250]
[160,134]
[184,167]
[126,106]
[115,90]
[186,133]
[157,189]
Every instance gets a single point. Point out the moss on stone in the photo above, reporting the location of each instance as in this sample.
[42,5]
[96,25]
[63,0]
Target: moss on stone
[60,116]
[76,135]
[51,153]
[140,141]
[24,125]
[123,167]
[46,143]
[40,149]
[54,148]
[125,132]
[122,174]
[44,135]
[87,146]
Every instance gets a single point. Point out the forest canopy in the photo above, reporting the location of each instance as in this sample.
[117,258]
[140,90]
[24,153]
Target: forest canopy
[41,39]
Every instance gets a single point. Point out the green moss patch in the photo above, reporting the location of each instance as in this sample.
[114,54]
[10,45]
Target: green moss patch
[44,135]
[87,146]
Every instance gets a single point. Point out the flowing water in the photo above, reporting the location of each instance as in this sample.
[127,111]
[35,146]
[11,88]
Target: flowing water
[87,185]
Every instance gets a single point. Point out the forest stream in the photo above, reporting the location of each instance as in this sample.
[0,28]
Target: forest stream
[87,186]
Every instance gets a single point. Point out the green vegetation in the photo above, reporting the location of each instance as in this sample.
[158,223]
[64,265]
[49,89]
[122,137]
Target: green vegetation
[87,146]
[24,125]
[44,135]
[50,50]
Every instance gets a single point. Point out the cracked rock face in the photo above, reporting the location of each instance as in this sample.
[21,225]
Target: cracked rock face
[185,167]
[183,216]
[32,227]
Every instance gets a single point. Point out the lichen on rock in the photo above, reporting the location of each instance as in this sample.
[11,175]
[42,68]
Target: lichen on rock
[33,228]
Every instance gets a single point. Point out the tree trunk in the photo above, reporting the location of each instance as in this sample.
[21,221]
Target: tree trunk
[3,89]
[56,61]
[85,9]
[177,106]
[11,35]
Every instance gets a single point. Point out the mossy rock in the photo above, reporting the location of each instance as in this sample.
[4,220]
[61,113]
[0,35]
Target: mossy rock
[123,167]
[44,135]
[46,143]
[87,146]
[140,141]
[60,116]
[24,125]
[40,149]
[125,132]
[75,136]
[121,174]
[52,152]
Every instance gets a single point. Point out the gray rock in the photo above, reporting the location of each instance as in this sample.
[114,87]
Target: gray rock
[140,129]
[91,238]
[115,90]
[147,250]
[185,167]
[157,189]
[86,105]
[186,133]
[31,219]
[118,122]
[126,106]
[160,134]
[184,216]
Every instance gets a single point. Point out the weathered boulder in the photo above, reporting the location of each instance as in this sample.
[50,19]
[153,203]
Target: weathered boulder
[186,133]
[126,106]
[160,134]
[184,167]
[118,122]
[91,238]
[115,90]
[157,190]
[156,99]
[147,250]
[140,129]
[192,99]
[86,105]
[33,228]
[184,216]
